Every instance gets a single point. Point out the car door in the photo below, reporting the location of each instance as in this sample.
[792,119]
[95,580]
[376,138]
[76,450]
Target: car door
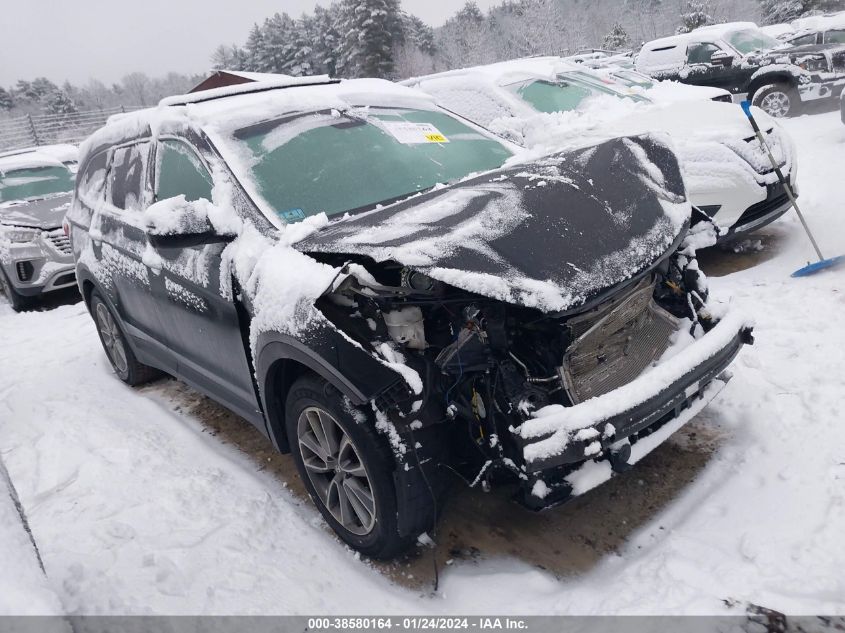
[701,71]
[203,328]
[119,242]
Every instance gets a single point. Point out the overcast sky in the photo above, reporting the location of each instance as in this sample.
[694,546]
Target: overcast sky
[79,40]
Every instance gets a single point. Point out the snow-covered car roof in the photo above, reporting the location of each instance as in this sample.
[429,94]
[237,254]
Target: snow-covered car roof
[818,22]
[234,106]
[42,156]
[714,31]
[778,30]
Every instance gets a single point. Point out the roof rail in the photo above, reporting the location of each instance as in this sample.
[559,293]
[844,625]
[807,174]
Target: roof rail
[247,88]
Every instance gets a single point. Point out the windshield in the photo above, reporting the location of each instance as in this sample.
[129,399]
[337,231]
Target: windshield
[334,163]
[750,40]
[35,182]
[570,92]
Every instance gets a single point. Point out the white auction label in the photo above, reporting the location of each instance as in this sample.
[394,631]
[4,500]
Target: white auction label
[409,133]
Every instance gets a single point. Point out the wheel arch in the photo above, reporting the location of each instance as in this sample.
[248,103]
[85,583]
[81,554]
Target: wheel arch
[768,79]
[280,360]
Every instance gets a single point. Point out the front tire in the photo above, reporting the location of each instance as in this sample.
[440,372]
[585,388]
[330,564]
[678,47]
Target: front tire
[18,301]
[117,349]
[346,467]
[778,100]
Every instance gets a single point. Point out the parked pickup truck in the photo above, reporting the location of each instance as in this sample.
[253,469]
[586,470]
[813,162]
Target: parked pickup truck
[740,58]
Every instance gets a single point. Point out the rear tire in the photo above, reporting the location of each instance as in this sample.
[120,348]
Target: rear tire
[18,301]
[778,100]
[347,468]
[117,349]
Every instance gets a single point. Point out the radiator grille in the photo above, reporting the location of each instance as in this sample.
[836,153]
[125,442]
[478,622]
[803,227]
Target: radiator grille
[613,344]
[59,240]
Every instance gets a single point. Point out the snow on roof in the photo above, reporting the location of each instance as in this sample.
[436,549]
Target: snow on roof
[42,156]
[776,30]
[818,22]
[713,31]
[234,106]
[547,66]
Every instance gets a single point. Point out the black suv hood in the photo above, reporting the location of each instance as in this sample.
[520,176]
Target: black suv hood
[547,234]
[46,213]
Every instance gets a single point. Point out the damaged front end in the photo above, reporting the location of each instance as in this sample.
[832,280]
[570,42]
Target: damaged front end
[502,385]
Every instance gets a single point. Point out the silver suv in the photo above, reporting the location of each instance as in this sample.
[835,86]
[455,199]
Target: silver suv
[35,193]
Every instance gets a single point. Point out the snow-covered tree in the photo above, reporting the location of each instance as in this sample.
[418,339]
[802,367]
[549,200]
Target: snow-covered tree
[253,49]
[617,39]
[6,101]
[369,29]
[696,13]
[59,102]
[778,11]
[325,39]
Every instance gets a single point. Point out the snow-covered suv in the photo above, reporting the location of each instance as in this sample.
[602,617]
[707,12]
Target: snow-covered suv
[548,103]
[389,293]
[35,193]
[740,58]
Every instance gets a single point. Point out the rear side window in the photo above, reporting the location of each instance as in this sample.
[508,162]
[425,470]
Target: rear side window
[700,53]
[91,183]
[835,37]
[126,176]
[803,40]
[179,171]
[665,58]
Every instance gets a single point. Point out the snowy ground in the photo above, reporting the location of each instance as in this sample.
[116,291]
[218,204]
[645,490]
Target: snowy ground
[140,504]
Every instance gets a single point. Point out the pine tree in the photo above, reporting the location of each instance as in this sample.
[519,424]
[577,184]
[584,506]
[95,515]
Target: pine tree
[253,49]
[617,39]
[369,29]
[59,102]
[6,101]
[696,13]
[302,51]
[325,39]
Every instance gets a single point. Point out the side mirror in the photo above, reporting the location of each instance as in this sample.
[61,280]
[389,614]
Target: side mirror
[177,223]
[721,58]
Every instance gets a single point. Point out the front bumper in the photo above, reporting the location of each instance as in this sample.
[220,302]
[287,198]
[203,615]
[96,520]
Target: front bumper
[760,214]
[40,266]
[570,450]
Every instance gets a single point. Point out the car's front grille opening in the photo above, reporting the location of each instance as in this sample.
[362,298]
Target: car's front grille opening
[25,270]
[59,241]
[615,345]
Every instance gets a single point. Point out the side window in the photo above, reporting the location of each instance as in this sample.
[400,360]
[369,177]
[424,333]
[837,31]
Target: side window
[180,172]
[126,176]
[93,179]
[835,37]
[803,40]
[700,53]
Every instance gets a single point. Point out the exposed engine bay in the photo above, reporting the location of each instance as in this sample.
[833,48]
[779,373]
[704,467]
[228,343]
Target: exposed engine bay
[486,365]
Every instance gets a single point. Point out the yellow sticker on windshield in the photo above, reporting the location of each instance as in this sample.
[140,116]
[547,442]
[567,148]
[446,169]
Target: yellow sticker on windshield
[436,138]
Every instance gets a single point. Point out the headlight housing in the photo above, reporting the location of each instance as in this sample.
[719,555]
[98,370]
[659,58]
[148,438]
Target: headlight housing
[21,236]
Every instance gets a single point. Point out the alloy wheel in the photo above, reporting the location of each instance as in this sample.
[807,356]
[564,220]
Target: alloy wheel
[112,339]
[336,471]
[776,104]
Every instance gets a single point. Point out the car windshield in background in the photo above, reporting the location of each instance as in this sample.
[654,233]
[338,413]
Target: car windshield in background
[35,182]
[750,40]
[324,162]
[570,92]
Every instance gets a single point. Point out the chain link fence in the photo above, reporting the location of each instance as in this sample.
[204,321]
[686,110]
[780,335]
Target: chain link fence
[46,129]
